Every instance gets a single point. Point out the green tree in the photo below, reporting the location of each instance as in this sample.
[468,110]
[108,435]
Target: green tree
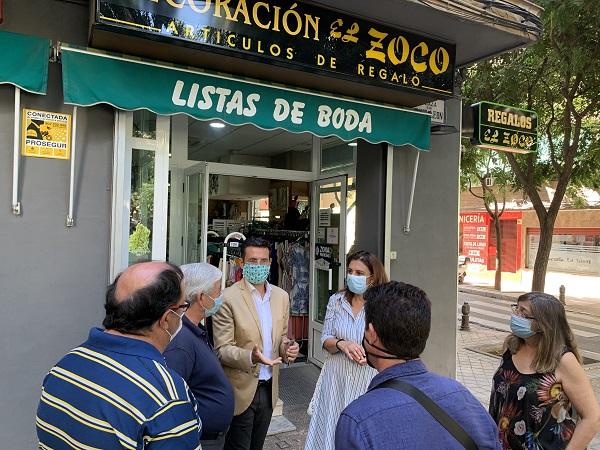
[490,171]
[559,78]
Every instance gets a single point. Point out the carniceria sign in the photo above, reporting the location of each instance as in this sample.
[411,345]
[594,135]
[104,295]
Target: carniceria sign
[293,34]
[504,128]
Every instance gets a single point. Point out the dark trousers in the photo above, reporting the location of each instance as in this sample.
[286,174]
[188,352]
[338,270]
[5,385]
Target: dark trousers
[249,429]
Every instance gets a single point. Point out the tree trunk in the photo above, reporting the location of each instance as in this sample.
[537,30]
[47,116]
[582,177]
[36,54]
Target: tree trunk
[498,277]
[543,254]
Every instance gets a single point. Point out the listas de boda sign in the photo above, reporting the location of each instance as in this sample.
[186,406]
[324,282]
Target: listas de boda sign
[293,34]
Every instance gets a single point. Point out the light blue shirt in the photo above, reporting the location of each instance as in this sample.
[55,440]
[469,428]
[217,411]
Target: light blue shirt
[385,419]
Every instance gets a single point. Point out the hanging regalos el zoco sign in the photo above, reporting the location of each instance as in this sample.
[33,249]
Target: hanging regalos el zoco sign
[504,128]
[293,34]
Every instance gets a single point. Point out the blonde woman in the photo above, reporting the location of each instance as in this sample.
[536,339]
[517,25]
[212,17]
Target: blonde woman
[345,375]
[541,383]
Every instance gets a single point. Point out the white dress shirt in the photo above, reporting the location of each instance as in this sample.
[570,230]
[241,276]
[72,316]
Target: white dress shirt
[263,307]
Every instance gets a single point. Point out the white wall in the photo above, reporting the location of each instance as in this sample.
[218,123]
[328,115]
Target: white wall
[427,255]
[52,278]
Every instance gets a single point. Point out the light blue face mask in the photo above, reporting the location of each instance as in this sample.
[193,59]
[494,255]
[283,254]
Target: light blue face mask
[521,327]
[215,307]
[357,283]
[256,273]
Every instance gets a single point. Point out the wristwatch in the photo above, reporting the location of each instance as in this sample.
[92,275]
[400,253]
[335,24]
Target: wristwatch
[337,342]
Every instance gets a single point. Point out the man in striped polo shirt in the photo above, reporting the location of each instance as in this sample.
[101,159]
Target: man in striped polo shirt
[115,391]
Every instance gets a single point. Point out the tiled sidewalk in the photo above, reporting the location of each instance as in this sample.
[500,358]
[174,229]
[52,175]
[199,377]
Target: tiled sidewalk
[475,370]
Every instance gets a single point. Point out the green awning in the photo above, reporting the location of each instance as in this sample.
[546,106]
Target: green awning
[24,61]
[91,77]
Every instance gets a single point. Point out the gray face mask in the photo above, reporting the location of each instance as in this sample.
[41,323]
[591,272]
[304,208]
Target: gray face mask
[179,327]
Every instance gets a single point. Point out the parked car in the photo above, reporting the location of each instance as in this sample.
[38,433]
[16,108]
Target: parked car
[461,272]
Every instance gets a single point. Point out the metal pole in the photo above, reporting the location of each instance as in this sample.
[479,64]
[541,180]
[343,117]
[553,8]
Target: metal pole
[70,218]
[235,235]
[16,204]
[412,193]
[561,295]
[389,179]
[464,321]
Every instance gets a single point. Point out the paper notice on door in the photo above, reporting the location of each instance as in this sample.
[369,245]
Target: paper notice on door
[324,217]
[332,235]
[321,234]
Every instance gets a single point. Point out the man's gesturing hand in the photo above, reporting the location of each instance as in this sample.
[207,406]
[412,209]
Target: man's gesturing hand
[258,357]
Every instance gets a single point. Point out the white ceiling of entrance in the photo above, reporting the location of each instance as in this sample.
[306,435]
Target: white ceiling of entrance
[217,144]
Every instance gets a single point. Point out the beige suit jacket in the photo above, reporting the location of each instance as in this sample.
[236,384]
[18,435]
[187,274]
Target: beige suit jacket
[236,330]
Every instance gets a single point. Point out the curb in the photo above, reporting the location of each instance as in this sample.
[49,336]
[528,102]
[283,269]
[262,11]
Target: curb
[513,298]
[486,293]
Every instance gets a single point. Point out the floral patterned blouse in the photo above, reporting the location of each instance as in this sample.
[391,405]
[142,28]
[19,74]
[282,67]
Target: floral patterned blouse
[531,410]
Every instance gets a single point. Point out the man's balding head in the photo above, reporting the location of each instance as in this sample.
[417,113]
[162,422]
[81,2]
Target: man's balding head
[136,277]
[140,295]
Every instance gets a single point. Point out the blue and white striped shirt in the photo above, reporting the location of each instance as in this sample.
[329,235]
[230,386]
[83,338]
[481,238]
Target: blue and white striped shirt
[116,392]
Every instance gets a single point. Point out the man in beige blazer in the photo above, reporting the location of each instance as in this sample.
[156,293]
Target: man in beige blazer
[250,335]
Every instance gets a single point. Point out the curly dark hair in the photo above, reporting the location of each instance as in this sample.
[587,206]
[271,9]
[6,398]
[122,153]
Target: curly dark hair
[401,315]
[136,314]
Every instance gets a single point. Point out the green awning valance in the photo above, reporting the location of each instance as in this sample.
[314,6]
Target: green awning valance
[90,78]
[24,61]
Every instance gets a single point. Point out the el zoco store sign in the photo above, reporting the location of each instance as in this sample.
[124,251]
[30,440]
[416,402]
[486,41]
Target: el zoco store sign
[293,34]
[504,128]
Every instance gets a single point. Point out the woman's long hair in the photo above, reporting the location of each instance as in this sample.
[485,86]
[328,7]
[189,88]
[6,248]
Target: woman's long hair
[378,275]
[555,334]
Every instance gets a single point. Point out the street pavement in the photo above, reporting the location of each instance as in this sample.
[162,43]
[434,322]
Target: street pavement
[495,313]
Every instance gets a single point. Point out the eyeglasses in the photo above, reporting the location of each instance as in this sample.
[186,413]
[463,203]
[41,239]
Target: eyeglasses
[357,272]
[183,307]
[520,312]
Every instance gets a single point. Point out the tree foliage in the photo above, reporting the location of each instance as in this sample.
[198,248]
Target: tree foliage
[559,78]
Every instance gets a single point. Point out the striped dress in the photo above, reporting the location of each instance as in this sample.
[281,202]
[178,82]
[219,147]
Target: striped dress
[114,392]
[341,380]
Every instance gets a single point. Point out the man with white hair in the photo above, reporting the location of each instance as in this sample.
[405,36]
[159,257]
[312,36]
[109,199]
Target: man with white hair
[191,354]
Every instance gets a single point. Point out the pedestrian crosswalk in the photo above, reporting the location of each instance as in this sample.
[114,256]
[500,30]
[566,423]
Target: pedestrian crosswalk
[495,313]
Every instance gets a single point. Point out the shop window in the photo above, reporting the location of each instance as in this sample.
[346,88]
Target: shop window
[337,156]
[144,124]
[141,214]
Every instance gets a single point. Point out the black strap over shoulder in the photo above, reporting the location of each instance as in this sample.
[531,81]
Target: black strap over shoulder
[451,425]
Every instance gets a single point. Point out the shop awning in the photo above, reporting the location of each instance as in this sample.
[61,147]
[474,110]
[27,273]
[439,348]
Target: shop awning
[24,61]
[92,77]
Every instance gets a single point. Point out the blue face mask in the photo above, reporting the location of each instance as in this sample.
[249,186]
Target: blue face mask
[256,273]
[215,307]
[356,283]
[521,327]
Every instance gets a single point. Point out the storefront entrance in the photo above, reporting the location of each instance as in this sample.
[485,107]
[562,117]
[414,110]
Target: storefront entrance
[297,191]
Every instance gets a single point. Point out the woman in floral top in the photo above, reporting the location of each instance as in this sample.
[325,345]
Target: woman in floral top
[541,383]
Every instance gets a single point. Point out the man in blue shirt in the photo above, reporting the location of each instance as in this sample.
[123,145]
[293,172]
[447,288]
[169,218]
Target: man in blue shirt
[114,391]
[398,320]
[192,356]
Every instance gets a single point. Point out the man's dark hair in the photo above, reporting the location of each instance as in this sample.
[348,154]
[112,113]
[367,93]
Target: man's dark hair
[137,313]
[254,241]
[401,315]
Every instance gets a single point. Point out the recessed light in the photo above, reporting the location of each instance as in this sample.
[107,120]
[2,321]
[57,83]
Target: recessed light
[352,144]
[217,125]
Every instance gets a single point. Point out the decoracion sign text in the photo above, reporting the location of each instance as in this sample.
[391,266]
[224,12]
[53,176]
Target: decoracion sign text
[293,34]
